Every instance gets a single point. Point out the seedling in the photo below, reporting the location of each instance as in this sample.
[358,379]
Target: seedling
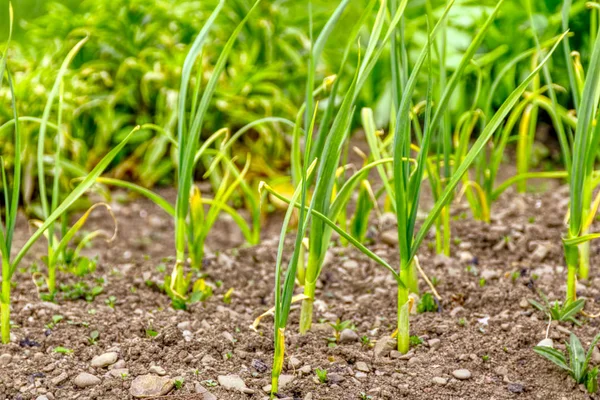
[111,301]
[178,382]
[415,341]
[578,364]
[321,375]
[366,341]
[81,290]
[427,304]
[364,396]
[93,338]
[62,350]
[55,320]
[558,311]
[209,383]
[151,332]
[227,296]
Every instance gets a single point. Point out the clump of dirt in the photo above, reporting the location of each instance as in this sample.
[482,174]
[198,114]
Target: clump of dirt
[483,324]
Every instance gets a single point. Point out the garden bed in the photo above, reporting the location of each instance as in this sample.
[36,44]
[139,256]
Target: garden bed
[484,326]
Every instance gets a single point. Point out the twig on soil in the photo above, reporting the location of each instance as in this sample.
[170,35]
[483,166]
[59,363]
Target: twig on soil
[435,293]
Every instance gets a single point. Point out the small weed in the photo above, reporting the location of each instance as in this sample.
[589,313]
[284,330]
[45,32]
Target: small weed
[339,326]
[178,382]
[366,341]
[93,338]
[55,320]
[62,350]
[578,365]
[415,340]
[227,296]
[558,311]
[321,374]
[111,301]
[427,304]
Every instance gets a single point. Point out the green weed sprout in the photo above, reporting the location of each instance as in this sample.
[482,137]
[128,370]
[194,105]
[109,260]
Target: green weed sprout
[578,365]
[321,374]
[557,311]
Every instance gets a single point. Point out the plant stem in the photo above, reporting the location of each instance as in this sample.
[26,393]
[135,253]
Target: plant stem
[5,303]
[572,259]
[277,361]
[411,279]
[584,260]
[438,236]
[307,305]
[446,221]
[52,279]
[403,314]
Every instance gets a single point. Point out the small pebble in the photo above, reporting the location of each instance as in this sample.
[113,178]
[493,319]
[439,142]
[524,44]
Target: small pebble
[158,370]
[461,374]
[438,380]
[84,380]
[362,366]
[348,336]
[104,360]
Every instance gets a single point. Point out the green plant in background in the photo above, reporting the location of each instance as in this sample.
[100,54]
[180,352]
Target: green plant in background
[578,365]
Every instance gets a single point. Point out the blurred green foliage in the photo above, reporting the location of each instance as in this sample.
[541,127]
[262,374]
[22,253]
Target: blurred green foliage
[129,71]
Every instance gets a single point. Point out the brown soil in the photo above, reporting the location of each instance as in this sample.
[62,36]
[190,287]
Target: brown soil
[483,328]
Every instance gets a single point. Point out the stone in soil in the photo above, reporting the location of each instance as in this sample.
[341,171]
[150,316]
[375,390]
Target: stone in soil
[294,363]
[56,381]
[104,360]
[284,380]
[516,388]
[84,380]
[461,374]
[158,370]
[546,343]
[438,380]
[206,395]
[5,359]
[150,386]
[234,382]
[362,366]
[348,336]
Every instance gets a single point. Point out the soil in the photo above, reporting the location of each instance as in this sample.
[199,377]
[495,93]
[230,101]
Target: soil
[486,327]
